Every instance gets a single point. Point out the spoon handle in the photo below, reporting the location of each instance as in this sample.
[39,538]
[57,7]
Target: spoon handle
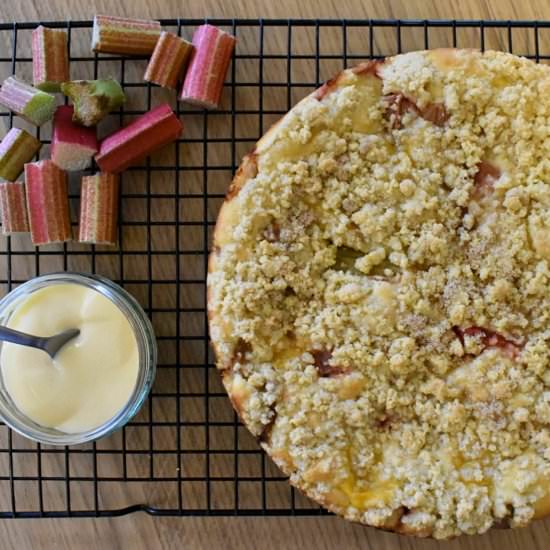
[16,337]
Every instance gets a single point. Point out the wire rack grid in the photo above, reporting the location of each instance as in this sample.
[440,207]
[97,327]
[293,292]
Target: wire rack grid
[186,453]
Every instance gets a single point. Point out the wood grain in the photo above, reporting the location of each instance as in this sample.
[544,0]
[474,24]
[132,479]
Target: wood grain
[139,531]
[466,9]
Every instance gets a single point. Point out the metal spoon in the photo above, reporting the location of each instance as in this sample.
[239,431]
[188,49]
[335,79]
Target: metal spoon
[51,344]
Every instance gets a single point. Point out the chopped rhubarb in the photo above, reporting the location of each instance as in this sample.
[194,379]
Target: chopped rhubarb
[321,360]
[328,87]
[47,203]
[73,146]
[398,104]
[33,105]
[99,209]
[136,141]
[242,348]
[434,113]
[17,148]
[168,61]
[93,99]
[125,36]
[50,59]
[486,174]
[489,339]
[205,76]
[13,208]
[369,67]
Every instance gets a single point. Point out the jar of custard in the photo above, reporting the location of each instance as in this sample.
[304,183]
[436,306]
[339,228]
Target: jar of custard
[97,382]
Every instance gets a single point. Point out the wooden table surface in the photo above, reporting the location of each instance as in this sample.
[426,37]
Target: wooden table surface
[139,531]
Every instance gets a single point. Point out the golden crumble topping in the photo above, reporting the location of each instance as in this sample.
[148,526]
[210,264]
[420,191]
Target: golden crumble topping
[379,292]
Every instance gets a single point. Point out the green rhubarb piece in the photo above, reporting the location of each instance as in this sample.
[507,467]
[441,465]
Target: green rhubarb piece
[34,105]
[93,99]
[17,148]
[40,108]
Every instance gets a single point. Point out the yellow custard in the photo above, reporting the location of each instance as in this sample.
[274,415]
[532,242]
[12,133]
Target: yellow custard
[91,378]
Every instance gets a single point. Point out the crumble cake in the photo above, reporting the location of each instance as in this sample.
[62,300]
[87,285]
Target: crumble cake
[378,293]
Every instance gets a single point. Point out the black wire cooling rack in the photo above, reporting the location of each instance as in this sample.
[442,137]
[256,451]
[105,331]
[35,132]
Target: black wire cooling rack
[185,453]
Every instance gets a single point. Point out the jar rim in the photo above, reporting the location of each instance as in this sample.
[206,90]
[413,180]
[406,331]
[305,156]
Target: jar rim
[147,351]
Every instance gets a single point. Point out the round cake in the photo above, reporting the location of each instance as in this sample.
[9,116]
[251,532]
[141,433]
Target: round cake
[379,293]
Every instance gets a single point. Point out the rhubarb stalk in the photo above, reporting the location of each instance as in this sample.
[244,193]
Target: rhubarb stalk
[13,208]
[50,59]
[47,203]
[204,80]
[168,61]
[33,105]
[98,209]
[73,146]
[145,135]
[125,36]
[93,99]
[17,148]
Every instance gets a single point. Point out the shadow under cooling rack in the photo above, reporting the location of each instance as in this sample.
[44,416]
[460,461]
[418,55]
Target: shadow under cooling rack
[186,453]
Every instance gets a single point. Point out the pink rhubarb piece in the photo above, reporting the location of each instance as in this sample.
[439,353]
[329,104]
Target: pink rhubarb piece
[73,146]
[47,202]
[205,76]
[13,208]
[98,209]
[133,143]
[168,60]
[50,60]
[112,34]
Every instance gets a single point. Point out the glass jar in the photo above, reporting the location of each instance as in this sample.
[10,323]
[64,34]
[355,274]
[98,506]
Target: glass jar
[147,350]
